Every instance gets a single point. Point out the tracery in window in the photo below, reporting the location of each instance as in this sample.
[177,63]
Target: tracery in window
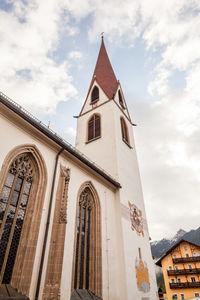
[13,203]
[87,257]
[94,127]
[124,130]
[95,94]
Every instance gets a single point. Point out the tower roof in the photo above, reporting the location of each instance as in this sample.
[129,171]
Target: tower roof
[104,74]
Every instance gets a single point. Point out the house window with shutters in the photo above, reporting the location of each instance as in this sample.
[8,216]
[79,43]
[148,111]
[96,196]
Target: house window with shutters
[95,95]
[124,129]
[87,250]
[13,204]
[94,127]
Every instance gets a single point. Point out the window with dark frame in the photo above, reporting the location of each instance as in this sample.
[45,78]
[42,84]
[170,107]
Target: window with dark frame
[120,99]
[13,203]
[87,257]
[124,131]
[95,94]
[94,127]
[81,277]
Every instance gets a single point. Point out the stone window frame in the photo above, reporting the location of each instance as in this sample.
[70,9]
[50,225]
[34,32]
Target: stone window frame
[24,261]
[95,282]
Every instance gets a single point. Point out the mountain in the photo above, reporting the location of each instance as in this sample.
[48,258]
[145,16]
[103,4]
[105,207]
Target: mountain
[158,248]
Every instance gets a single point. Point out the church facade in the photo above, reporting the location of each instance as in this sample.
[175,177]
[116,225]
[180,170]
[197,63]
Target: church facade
[72,219]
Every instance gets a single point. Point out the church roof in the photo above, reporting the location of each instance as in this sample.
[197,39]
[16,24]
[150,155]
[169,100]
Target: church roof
[104,74]
[20,111]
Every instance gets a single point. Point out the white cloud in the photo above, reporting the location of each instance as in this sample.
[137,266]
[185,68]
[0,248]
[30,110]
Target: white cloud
[75,54]
[28,35]
[71,131]
[169,136]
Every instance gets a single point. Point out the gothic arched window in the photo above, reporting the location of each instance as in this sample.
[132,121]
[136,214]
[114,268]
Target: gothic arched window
[87,257]
[95,94]
[13,203]
[120,99]
[124,129]
[94,127]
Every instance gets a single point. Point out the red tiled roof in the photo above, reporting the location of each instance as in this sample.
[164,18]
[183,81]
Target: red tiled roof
[104,74]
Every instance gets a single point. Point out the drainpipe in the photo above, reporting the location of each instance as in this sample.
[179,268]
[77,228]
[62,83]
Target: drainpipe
[47,226]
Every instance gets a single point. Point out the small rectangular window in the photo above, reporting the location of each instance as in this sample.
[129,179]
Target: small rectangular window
[170,267]
[189,266]
[185,248]
[196,294]
[179,280]
[194,254]
[172,280]
[174,296]
[182,296]
[193,279]
[175,267]
[174,256]
[186,255]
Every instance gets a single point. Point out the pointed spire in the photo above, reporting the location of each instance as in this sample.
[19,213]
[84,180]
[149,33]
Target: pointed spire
[104,74]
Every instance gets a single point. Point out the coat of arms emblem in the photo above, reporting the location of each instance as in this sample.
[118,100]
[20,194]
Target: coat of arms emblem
[142,275]
[136,219]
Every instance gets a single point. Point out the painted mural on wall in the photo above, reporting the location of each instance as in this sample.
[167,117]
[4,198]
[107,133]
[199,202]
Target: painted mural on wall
[136,219]
[142,275]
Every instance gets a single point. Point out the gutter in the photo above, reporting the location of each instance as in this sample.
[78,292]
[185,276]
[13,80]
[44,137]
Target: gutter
[47,226]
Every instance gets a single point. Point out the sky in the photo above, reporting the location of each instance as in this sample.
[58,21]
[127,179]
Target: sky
[48,51]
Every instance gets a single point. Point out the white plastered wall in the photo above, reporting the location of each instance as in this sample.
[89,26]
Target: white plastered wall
[119,160]
[102,150]
[112,250]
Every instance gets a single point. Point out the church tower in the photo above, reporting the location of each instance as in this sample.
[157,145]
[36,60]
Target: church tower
[105,135]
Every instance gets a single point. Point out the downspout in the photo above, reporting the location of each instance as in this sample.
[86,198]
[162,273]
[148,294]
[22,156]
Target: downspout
[47,226]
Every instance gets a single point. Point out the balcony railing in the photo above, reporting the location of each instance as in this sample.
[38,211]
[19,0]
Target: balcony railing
[184,271]
[186,259]
[183,285]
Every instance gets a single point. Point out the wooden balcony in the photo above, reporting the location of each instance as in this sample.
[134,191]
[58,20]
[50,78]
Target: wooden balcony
[184,285]
[186,259]
[183,271]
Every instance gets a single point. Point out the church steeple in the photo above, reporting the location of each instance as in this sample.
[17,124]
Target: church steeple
[103,78]
[104,74]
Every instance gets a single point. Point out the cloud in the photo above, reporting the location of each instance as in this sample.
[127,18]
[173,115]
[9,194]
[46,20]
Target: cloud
[75,54]
[168,132]
[29,34]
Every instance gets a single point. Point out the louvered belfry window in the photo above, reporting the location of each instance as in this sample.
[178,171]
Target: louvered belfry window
[13,203]
[83,241]
[94,128]
[95,94]
[124,131]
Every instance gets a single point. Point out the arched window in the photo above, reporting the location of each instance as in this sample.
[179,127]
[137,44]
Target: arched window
[95,94]
[23,179]
[120,99]
[124,129]
[87,257]
[13,203]
[94,127]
